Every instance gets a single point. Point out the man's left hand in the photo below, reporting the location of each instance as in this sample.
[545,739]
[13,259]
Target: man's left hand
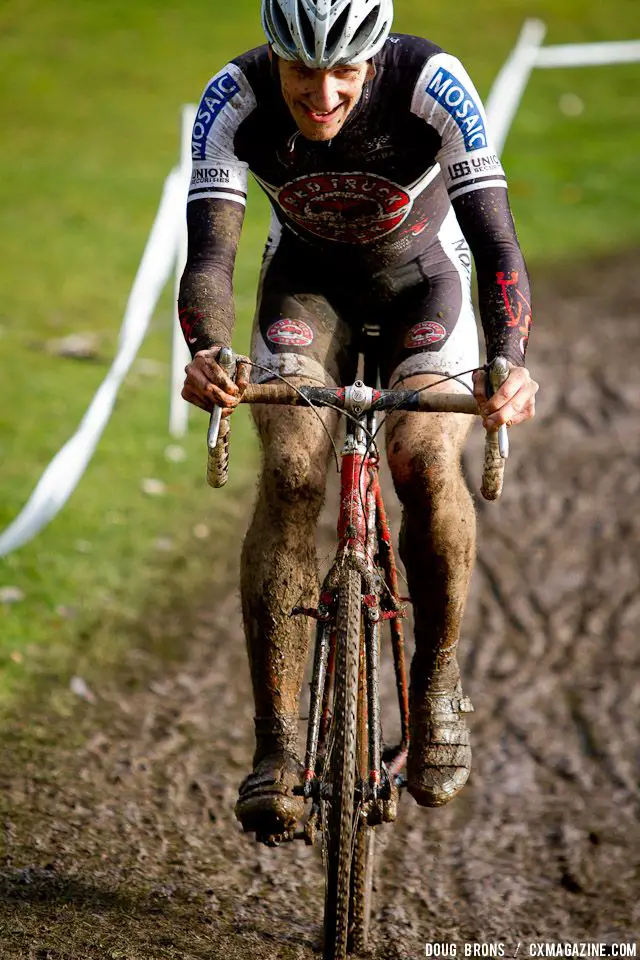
[513,403]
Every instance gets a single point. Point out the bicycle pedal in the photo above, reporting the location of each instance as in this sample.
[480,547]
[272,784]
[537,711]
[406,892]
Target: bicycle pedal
[275,839]
[311,828]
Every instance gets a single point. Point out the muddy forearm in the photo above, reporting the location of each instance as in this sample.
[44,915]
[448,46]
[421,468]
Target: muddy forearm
[205,306]
[205,302]
[503,282]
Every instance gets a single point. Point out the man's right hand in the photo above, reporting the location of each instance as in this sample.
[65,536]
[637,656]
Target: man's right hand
[207,386]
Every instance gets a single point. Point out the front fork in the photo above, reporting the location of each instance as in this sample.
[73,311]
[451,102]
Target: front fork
[319,704]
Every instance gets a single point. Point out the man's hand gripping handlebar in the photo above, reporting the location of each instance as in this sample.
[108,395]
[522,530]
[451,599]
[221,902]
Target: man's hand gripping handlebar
[506,396]
[215,381]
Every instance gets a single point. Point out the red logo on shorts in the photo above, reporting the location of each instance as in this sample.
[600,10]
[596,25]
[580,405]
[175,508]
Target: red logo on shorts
[424,333]
[290,333]
[349,207]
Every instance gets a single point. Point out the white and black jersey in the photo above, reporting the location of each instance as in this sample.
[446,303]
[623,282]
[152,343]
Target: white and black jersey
[418,132]
[378,194]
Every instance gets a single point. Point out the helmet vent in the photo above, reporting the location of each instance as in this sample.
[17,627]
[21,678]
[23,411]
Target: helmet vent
[306,27]
[364,31]
[282,28]
[337,30]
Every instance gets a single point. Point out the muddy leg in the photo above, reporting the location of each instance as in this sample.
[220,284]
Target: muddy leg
[437,545]
[279,569]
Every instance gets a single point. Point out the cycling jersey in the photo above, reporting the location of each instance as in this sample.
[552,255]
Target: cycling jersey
[374,197]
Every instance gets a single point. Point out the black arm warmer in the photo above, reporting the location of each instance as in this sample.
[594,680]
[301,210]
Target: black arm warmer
[205,302]
[503,282]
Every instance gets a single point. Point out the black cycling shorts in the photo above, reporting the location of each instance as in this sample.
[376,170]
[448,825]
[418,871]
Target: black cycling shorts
[309,320]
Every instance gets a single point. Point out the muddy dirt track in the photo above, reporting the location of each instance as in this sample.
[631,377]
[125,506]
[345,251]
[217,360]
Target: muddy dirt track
[127,847]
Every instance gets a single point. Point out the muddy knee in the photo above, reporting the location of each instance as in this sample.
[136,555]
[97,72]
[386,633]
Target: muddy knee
[293,479]
[424,476]
[424,458]
[439,518]
[295,450]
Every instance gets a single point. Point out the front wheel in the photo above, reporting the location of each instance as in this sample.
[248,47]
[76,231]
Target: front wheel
[340,817]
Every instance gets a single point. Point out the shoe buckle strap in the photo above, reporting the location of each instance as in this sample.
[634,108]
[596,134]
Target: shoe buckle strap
[440,704]
[451,734]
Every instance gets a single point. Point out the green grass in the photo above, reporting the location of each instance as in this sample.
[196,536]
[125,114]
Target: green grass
[90,129]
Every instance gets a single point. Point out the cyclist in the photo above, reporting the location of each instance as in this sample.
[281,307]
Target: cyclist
[374,151]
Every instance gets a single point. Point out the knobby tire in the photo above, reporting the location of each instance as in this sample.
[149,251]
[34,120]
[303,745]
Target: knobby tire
[362,888]
[363,852]
[338,818]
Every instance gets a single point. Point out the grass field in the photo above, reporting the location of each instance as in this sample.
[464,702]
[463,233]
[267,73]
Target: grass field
[90,129]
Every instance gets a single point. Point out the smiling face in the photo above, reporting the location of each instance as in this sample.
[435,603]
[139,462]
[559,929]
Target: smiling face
[321,100]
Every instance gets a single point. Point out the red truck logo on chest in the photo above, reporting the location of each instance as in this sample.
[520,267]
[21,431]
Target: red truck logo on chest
[346,207]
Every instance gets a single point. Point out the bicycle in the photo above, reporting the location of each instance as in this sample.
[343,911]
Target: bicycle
[351,780]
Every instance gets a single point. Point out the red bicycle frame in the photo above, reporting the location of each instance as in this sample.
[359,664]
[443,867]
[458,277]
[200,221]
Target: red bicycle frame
[364,542]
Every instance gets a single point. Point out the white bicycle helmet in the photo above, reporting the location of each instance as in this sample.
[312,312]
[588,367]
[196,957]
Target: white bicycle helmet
[327,33]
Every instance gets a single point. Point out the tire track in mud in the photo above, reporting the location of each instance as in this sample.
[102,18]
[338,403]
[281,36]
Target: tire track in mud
[127,846]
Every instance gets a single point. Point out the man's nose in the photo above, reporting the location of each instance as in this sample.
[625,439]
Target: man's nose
[324,95]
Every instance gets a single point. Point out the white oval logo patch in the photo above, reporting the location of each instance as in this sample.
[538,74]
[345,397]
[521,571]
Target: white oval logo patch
[429,331]
[290,333]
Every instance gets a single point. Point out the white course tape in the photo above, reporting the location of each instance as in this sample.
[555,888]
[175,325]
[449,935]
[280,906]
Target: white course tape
[180,356]
[589,54]
[65,470]
[506,93]
[529,54]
